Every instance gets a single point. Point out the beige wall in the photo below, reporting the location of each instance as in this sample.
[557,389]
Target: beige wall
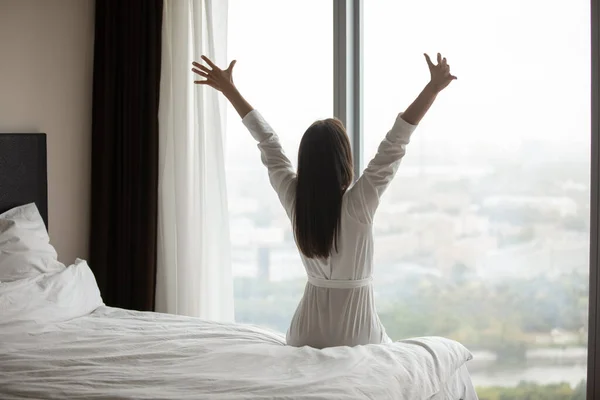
[46,54]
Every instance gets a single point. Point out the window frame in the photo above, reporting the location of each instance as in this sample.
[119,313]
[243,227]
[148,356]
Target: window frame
[593,369]
[348,73]
[348,107]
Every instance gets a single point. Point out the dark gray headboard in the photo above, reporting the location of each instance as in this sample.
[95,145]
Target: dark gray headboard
[23,171]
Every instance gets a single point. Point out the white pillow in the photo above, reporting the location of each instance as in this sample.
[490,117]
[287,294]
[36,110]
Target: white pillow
[25,249]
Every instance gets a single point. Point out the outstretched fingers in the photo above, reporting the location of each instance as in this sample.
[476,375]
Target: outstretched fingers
[210,63]
[215,77]
[201,67]
[428,59]
[208,82]
[201,73]
[441,61]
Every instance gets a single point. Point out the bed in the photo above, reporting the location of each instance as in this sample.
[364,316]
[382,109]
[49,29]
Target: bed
[59,341]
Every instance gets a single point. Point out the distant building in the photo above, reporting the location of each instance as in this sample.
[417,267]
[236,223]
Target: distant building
[264,263]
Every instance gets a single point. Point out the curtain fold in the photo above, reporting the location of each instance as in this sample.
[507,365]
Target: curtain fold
[124,206]
[193,254]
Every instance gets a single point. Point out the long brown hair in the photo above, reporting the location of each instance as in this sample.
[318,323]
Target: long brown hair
[324,174]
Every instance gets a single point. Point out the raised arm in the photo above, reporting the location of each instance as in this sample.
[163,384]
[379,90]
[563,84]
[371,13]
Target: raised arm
[281,172]
[365,194]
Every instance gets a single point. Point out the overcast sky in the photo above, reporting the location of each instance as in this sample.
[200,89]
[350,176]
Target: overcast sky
[523,68]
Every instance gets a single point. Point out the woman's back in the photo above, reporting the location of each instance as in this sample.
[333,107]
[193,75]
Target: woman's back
[337,307]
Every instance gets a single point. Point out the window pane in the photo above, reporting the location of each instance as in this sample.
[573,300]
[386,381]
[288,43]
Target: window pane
[483,236]
[285,69]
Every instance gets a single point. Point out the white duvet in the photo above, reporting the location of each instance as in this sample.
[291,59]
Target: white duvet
[58,341]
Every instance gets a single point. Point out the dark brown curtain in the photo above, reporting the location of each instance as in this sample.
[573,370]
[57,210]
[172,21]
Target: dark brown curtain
[127,54]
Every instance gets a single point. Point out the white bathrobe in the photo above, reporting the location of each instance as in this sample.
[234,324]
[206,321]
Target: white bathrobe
[337,308]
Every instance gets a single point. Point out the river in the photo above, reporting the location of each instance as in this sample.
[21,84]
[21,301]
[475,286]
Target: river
[543,366]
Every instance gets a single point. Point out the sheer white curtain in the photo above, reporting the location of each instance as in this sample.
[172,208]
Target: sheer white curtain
[194,266]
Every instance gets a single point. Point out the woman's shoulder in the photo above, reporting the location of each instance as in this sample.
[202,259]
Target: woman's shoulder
[351,209]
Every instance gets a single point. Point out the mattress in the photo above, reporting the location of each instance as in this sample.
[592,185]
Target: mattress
[58,341]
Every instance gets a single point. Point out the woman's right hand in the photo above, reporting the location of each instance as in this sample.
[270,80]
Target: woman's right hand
[440,73]
[217,78]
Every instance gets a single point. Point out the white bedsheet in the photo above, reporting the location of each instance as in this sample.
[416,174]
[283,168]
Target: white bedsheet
[63,352]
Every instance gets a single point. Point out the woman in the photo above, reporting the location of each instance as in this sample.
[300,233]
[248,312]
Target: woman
[332,219]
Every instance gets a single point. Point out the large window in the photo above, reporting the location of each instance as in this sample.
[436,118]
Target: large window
[285,69]
[484,236]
